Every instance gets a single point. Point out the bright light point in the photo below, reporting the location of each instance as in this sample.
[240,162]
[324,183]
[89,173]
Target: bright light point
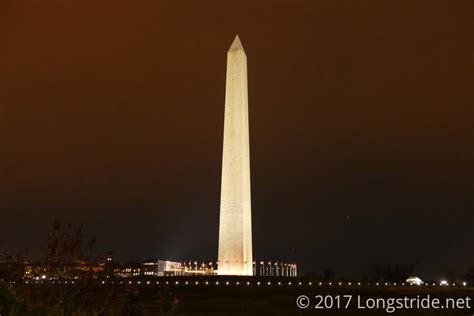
[217,283]
[310,283]
[444,283]
[197,282]
[269,283]
[227,283]
[279,283]
[340,283]
[207,282]
[248,283]
[237,283]
[258,283]
[320,283]
[330,283]
[358,283]
[413,280]
[299,283]
[186,282]
[464,284]
[289,283]
[43,276]
[349,283]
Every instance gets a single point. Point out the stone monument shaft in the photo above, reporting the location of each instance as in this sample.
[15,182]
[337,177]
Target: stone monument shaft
[235,226]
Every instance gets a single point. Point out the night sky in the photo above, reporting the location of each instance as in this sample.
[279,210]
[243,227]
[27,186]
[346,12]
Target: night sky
[361,128]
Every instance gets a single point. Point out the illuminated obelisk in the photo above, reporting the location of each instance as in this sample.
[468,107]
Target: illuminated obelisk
[235,227]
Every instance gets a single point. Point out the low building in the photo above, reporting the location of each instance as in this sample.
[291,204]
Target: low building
[158,267]
[275,268]
[154,267]
[129,269]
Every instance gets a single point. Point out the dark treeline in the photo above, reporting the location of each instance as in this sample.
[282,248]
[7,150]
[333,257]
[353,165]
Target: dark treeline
[70,282]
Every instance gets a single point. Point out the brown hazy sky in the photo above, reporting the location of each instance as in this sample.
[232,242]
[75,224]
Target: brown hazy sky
[111,115]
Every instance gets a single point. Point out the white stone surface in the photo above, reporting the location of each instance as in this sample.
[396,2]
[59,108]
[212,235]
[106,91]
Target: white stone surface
[235,226]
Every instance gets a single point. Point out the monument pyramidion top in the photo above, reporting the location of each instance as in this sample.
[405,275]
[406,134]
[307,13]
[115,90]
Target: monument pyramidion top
[236,45]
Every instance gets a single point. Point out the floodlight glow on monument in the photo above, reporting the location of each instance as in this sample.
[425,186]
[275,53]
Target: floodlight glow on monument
[235,223]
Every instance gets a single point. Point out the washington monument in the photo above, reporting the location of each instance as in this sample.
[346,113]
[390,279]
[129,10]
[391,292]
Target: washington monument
[235,226]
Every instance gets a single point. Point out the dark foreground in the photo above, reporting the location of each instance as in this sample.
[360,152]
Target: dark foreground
[278,296]
[274,296]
